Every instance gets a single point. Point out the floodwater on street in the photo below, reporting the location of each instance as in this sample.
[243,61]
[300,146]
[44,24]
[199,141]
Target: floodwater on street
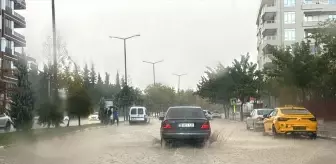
[134,144]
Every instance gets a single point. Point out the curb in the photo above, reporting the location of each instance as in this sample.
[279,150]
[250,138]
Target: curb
[327,138]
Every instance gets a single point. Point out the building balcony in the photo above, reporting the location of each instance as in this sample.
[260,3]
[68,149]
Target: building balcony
[318,6]
[269,40]
[268,12]
[311,24]
[19,20]
[9,75]
[8,55]
[19,4]
[269,28]
[19,39]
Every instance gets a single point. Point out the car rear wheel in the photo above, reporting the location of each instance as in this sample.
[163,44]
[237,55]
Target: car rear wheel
[275,133]
[206,143]
[165,143]
[7,127]
[313,136]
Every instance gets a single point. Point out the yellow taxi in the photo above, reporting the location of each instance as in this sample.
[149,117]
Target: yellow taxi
[290,120]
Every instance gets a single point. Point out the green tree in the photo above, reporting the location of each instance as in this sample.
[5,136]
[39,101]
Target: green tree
[246,80]
[296,68]
[49,112]
[217,86]
[86,77]
[159,97]
[93,76]
[107,79]
[99,81]
[23,102]
[33,77]
[78,100]
[117,83]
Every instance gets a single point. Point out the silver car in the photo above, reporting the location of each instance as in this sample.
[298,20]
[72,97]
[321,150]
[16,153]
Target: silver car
[5,122]
[255,119]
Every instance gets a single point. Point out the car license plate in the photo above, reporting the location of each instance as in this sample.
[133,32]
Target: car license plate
[299,128]
[186,125]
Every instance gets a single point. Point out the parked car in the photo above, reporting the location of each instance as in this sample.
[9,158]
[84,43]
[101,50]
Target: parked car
[138,114]
[66,118]
[94,117]
[216,115]
[290,120]
[255,118]
[161,115]
[5,122]
[208,114]
[185,123]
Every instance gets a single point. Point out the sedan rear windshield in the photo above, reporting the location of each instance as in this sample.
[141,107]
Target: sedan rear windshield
[295,111]
[185,113]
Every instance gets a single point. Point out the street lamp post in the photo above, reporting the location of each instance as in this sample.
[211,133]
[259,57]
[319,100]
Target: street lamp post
[153,64]
[124,39]
[179,79]
[54,46]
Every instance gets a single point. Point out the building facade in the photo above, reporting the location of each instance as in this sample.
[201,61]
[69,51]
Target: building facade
[284,22]
[11,46]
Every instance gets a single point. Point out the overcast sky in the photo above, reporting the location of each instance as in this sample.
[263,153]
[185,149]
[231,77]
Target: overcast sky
[188,34]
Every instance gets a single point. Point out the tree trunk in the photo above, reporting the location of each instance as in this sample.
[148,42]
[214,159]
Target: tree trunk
[303,96]
[79,121]
[241,111]
[226,113]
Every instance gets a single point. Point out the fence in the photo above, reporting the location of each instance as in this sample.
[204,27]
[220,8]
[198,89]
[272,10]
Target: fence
[325,112]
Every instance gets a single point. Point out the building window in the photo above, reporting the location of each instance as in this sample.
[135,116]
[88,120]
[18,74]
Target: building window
[311,18]
[289,3]
[289,34]
[332,16]
[332,2]
[8,44]
[289,17]
[308,1]
[8,23]
[8,3]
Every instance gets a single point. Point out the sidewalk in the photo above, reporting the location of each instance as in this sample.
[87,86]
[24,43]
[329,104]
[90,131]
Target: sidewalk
[325,130]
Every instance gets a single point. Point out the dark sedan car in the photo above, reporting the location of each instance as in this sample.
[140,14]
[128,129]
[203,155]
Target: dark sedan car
[185,123]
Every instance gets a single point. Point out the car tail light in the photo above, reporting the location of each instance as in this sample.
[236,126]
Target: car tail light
[166,125]
[206,125]
[282,119]
[312,119]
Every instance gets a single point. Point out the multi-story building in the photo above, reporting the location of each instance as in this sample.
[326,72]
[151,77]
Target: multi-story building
[284,22]
[11,46]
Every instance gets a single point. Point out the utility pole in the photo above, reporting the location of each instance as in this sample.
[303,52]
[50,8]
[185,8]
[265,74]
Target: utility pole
[179,80]
[125,57]
[54,47]
[153,64]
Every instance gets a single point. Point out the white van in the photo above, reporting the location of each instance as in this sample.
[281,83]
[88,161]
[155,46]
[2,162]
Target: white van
[138,114]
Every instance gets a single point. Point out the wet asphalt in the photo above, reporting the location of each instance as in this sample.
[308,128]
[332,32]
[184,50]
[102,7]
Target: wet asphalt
[137,144]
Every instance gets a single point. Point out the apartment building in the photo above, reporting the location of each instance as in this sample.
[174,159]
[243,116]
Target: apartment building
[284,22]
[11,46]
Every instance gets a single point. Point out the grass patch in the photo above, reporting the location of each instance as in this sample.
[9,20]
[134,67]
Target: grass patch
[38,134]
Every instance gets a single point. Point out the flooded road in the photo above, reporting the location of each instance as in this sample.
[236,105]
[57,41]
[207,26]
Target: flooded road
[134,144]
